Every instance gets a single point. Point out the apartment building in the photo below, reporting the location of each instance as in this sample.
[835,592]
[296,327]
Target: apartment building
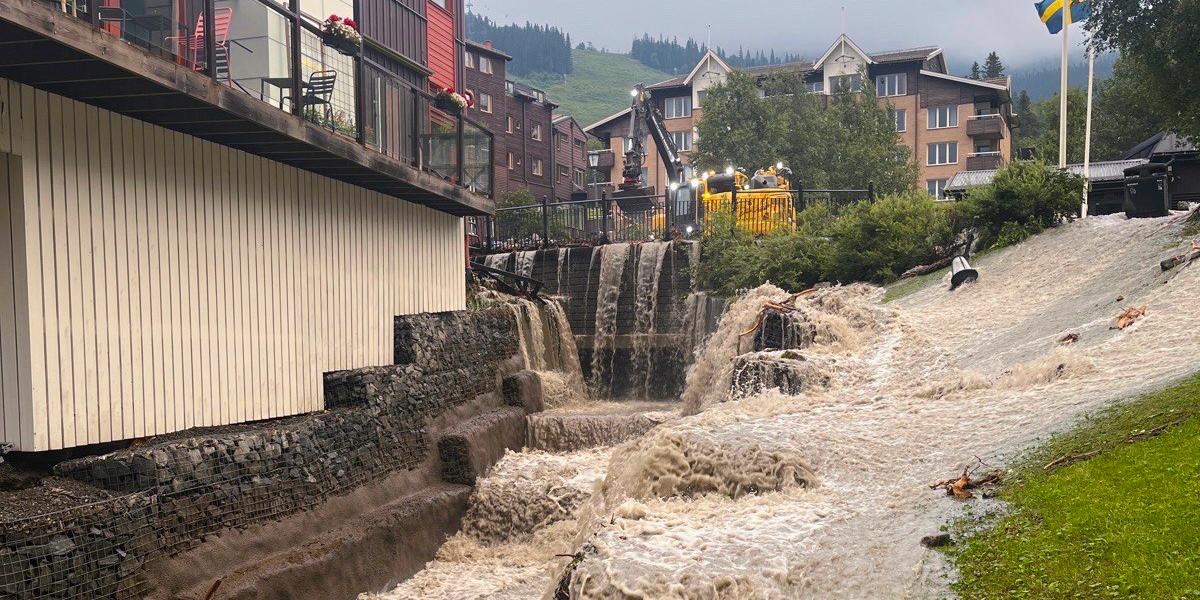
[197,223]
[950,123]
[535,149]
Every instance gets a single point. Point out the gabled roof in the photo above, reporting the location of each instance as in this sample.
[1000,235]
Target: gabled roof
[685,80]
[1004,87]
[1162,143]
[764,70]
[842,39]
[607,120]
[670,83]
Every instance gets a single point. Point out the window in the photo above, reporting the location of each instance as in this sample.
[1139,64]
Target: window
[541,97]
[937,188]
[508,124]
[683,140]
[943,153]
[512,161]
[537,167]
[679,107]
[468,60]
[441,4]
[815,87]
[563,171]
[895,84]
[700,96]
[984,147]
[485,65]
[485,103]
[629,144]
[851,83]
[579,177]
[536,132]
[901,120]
[942,117]
[509,87]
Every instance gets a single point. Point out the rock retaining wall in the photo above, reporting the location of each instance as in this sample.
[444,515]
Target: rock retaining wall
[159,499]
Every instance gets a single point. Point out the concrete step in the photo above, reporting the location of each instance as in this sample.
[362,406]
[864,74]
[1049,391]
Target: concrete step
[469,449]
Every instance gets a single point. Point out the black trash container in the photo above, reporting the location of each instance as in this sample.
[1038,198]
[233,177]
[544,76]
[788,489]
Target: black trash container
[1147,191]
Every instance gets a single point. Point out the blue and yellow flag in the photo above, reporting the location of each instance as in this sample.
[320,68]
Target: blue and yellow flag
[1051,12]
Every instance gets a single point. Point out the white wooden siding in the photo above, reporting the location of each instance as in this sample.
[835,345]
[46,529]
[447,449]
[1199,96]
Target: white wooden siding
[151,281]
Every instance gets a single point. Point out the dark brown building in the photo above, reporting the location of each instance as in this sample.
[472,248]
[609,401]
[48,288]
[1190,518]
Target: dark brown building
[570,158]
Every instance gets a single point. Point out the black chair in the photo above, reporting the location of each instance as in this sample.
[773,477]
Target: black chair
[318,90]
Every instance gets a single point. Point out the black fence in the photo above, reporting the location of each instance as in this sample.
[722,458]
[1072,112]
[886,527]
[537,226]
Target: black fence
[643,218]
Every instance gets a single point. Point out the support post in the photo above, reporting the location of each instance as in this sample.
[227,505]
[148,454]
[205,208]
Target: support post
[545,222]
[295,60]
[210,39]
[1062,95]
[871,190]
[459,151]
[733,205]
[604,210]
[1087,134]
[799,196]
[669,214]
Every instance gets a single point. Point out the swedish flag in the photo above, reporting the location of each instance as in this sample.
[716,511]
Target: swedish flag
[1051,12]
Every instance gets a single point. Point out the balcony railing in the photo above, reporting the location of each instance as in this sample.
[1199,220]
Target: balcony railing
[984,161]
[273,53]
[986,126]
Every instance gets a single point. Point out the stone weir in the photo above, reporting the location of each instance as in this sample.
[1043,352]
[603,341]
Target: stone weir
[633,309]
[353,498]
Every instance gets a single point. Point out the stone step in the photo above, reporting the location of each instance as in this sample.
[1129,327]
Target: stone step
[469,449]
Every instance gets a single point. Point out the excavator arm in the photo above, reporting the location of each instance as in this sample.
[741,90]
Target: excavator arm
[645,119]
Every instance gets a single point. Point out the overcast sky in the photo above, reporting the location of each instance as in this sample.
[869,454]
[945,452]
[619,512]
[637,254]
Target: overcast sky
[967,29]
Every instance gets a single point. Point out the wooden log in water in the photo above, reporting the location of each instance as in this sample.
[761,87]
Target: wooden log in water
[927,269]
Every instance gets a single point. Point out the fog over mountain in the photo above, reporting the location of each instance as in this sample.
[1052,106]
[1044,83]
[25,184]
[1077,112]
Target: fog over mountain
[967,30]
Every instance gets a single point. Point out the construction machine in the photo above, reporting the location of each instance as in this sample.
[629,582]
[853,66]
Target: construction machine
[765,201]
[633,195]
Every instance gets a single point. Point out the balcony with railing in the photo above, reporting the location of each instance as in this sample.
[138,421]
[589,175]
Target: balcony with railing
[986,126]
[265,78]
[984,161]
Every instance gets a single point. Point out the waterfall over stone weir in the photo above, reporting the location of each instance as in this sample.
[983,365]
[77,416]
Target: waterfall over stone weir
[632,308]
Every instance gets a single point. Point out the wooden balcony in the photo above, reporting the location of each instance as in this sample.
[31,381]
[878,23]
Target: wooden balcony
[601,159]
[986,126]
[984,161]
[153,68]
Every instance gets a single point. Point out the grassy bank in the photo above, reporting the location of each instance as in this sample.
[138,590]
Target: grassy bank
[599,86]
[1117,515]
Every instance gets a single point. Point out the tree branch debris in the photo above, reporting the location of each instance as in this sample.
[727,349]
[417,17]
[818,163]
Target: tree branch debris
[961,486]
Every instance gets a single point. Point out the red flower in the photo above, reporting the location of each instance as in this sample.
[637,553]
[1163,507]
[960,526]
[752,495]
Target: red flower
[350,23]
[333,18]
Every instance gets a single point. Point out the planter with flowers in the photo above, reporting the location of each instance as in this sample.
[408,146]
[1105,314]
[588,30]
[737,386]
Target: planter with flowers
[452,101]
[341,35]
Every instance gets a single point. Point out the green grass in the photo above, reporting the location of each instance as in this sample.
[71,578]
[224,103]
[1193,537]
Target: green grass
[904,287]
[1122,524]
[599,86]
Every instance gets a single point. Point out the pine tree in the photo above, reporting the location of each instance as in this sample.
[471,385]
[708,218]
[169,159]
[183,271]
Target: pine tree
[975,71]
[992,67]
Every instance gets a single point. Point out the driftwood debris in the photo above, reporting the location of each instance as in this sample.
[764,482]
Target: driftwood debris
[1068,459]
[1192,254]
[961,486]
[919,270]
[1068,339]
[1130,316]
[785,306]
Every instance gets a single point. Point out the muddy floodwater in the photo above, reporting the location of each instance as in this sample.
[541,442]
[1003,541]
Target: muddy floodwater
[824,493]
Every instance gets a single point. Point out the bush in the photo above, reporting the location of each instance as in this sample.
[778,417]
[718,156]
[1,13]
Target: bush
[877,241]
[1025,198]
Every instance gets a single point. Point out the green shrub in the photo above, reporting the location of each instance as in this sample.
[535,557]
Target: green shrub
[877,241]
[1025,198]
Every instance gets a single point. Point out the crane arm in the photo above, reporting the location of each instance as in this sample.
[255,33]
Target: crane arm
[645,118]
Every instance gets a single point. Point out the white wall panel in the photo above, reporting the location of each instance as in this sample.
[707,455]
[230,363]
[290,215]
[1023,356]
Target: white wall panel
[151,281]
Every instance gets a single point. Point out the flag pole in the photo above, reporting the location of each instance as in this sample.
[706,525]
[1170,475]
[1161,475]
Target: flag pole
[1062,95]
[1087,135]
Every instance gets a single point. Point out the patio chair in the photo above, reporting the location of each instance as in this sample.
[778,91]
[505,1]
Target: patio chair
[191,47]
[318,90]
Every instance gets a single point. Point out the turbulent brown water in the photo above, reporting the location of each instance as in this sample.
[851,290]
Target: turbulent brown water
[823,494]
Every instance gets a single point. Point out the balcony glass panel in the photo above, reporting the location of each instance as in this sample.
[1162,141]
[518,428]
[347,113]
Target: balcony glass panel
[390,116]
[256,56]
[174,28]
[439,144]
[319,10]
[328,81]
[477,159]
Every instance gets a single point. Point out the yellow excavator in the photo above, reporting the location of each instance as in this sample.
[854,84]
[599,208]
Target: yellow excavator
[765,201]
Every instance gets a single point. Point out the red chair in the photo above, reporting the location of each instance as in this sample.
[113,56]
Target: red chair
[191,48]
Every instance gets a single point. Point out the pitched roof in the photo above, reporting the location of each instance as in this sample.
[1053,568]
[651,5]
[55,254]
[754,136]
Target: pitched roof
[670,83]
[1161,143]
[842,39]
[891,56]
[487,48]
[1004,85]
[795,67]
[607,120]
[1111,170]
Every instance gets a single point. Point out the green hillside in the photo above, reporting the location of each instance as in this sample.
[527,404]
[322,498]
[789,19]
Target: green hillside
[599,86]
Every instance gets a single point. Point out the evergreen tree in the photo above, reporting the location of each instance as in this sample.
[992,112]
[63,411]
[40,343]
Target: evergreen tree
[992,67]
[534,48]
[976,73]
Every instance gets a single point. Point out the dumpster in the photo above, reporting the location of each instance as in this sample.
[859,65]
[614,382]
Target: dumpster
[1147,191]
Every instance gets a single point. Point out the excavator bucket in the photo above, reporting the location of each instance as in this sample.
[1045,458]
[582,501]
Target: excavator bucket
[634,200]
